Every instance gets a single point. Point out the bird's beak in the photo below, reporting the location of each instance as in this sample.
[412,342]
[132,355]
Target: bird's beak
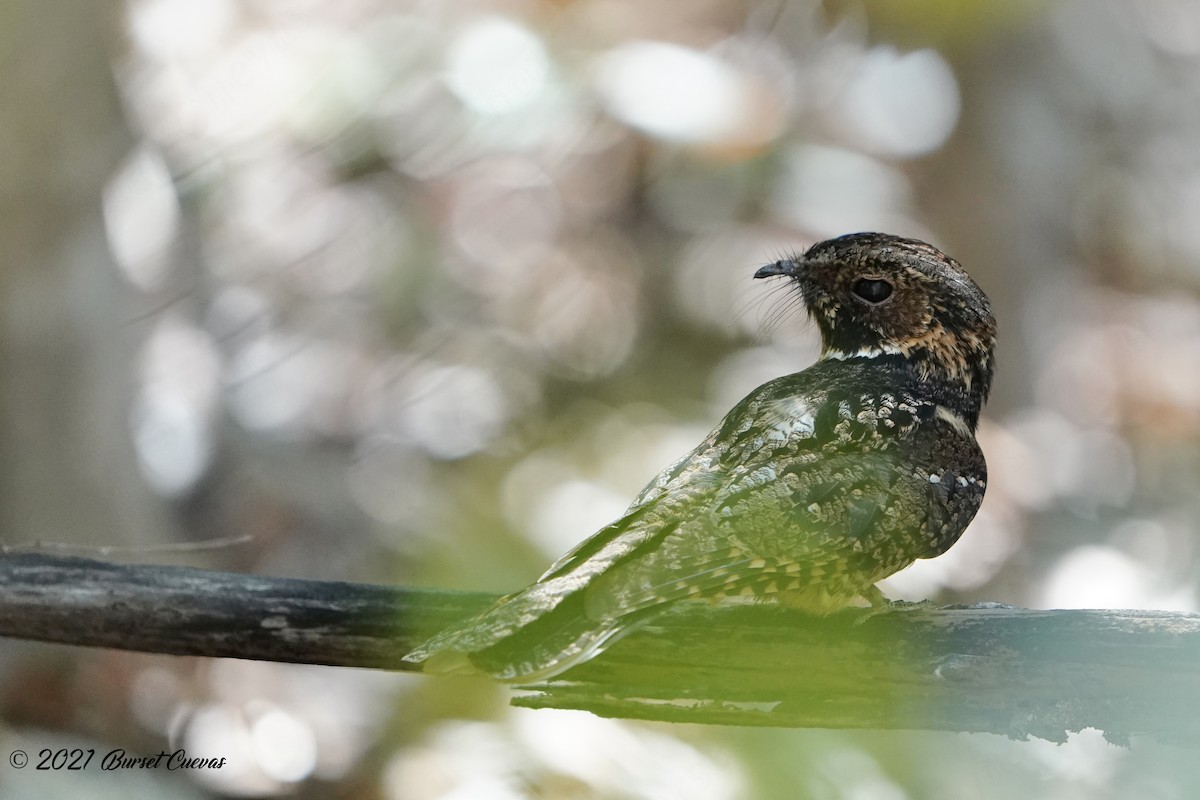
[787,266]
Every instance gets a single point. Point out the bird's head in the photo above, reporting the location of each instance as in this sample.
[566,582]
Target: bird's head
[874,295]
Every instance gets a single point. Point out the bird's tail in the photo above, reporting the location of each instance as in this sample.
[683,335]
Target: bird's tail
[544,629]
[526,637]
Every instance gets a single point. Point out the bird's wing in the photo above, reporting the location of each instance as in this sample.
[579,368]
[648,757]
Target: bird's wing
[822,501]
[642,521]
[821,527]
[694,478]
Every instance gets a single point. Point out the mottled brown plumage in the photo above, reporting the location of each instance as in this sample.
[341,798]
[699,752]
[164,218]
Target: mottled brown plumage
[812,488]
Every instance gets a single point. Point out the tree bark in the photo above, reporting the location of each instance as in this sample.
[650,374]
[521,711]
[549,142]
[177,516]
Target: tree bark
[195,612]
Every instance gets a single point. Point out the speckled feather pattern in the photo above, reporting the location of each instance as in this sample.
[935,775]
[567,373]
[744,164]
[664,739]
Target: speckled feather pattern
[812,488]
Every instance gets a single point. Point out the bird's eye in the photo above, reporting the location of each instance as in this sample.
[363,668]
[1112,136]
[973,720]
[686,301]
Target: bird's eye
[872,290]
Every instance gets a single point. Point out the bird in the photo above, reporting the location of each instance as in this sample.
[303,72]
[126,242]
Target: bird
[813,488]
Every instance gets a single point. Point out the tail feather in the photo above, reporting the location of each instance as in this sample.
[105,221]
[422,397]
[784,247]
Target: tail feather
[544,629]
[505,618]
[527,637]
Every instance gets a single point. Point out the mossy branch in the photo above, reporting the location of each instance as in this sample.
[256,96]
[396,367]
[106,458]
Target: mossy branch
[1004,670]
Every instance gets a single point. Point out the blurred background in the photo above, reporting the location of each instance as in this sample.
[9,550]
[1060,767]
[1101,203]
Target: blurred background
[422,293]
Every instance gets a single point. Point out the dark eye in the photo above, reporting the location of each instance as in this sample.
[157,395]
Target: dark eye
[872,290]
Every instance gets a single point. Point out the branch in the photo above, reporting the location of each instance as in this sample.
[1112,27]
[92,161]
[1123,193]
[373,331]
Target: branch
[998,669]
[991,668]
[195,612]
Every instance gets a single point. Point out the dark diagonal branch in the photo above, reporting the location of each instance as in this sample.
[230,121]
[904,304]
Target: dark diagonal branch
[1003,670]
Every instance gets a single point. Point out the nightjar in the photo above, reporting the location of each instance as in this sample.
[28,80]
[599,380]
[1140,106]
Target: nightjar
[814,487]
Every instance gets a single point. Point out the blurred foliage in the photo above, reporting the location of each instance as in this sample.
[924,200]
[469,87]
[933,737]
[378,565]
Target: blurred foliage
[423,292]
